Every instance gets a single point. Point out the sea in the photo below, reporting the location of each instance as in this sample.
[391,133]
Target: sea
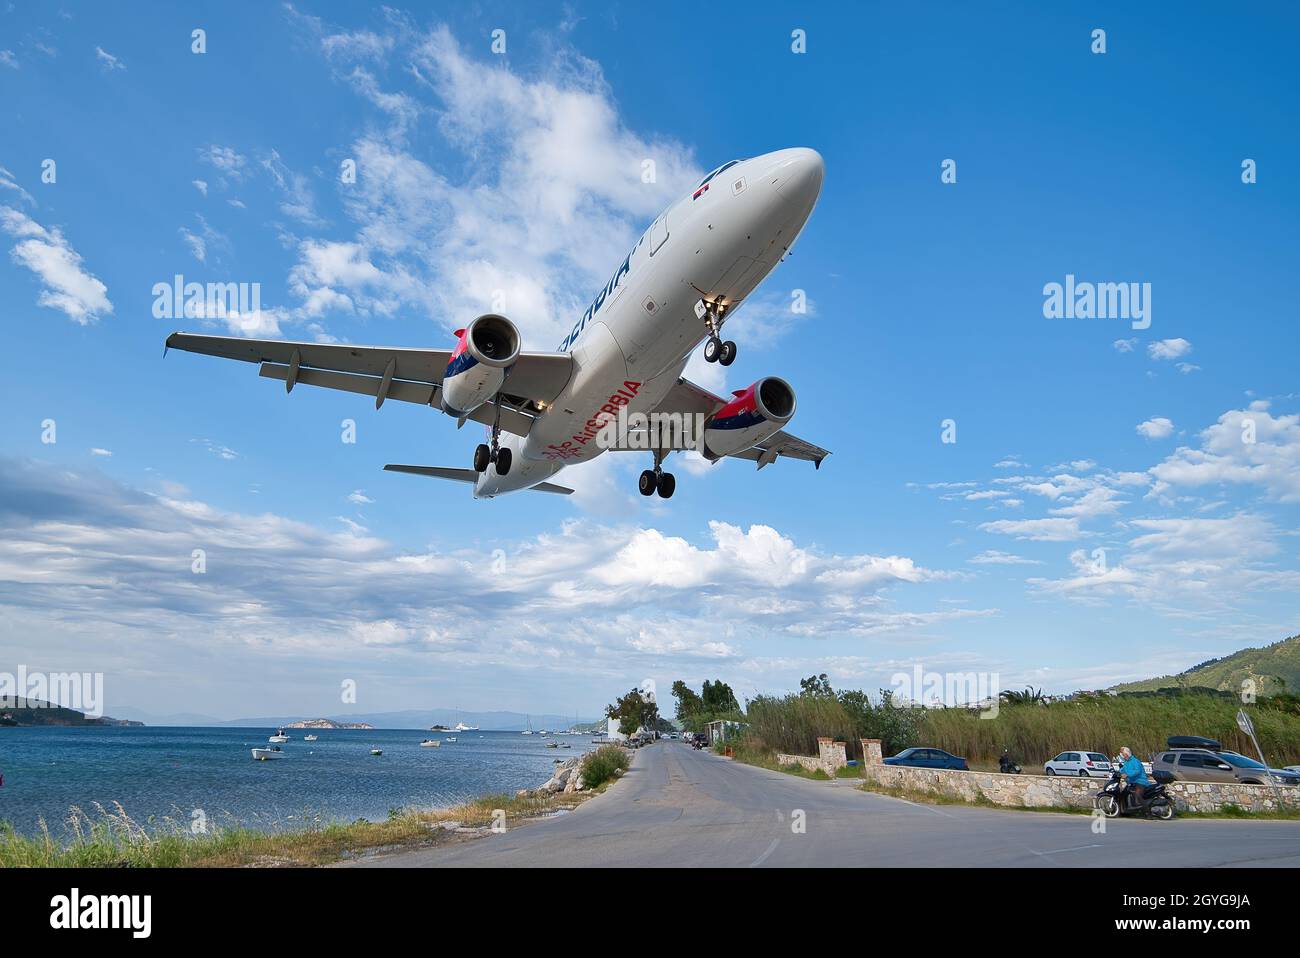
[182,776]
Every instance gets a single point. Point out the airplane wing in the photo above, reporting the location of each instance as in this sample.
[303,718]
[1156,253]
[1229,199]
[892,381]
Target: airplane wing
[686,397]
[467,475]
[409,375]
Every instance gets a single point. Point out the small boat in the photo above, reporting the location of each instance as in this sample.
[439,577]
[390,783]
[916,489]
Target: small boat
[376,751]
[310,738]
[430,743]
[552,744]
[451,738]
[279,736]
[266,754]
[462,727]
[566,745]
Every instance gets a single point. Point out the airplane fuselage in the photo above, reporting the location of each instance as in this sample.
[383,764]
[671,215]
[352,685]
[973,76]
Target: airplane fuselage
[630,346]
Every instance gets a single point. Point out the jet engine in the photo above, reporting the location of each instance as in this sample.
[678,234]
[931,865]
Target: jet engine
[752,416]
[485,351]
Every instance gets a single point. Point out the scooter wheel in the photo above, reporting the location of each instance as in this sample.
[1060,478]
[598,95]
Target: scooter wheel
[1110,807]
[1164,811]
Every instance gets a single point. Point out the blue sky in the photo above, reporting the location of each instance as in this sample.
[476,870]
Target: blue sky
[520,172]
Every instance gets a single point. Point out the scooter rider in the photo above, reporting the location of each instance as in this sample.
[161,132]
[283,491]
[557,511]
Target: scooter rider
[1131,768]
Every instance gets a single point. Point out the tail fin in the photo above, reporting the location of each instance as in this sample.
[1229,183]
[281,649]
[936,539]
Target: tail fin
[467,475]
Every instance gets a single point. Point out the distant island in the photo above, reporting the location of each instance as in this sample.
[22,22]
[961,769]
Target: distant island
[19,712]
[327,723]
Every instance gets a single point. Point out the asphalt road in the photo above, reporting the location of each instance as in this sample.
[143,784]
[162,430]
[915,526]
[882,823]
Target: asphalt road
[677,807]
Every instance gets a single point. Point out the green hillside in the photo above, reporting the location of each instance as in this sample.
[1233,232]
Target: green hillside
[1274,668]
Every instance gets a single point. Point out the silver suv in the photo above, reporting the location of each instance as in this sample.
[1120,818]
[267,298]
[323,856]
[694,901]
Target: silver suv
[1204,765]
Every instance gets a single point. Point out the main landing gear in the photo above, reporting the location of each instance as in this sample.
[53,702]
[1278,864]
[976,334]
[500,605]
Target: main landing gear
[656,480]
[715,350]
[485,454]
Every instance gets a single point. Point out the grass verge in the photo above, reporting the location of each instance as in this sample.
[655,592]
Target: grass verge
[109,838]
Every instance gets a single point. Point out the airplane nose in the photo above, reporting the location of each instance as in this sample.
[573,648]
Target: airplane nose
[803,174]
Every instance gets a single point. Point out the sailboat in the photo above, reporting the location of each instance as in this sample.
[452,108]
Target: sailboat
[529,730]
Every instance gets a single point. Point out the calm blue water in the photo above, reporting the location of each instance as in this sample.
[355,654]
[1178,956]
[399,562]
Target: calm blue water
[172,771]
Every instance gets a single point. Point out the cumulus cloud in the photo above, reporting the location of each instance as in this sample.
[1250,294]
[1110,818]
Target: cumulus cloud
[1156,428]
[541,180]
[586,598]
[67,286]
[1248,446]
[1168,348]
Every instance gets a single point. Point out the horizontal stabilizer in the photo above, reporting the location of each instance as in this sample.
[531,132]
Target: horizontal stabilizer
[466,475]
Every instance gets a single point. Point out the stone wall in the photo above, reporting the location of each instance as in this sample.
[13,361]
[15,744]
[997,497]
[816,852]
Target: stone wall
[1055,791]
[831,755]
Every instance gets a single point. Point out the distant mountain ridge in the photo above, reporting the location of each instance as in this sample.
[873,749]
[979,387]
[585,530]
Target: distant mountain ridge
[1273,668]
[410,718]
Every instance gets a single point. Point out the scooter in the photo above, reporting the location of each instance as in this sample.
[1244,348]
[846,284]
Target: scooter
[1116,799]
[1008,767]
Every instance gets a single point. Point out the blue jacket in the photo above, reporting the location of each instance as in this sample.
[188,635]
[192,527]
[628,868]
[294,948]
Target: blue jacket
[1137,775]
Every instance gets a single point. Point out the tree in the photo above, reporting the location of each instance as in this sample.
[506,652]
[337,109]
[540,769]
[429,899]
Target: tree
[718,697]
[634,712]
[688,702]
[816,685]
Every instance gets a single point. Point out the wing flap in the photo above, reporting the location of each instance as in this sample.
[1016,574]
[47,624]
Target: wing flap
[425,394]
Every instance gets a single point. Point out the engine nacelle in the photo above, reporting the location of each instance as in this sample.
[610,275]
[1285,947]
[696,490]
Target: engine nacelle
[484,353]
[752,416]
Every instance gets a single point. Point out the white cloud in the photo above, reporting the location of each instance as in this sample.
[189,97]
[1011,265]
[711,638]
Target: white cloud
[201,186]
[994,557]
[108,61]
[1039,530]
[8,59]
[588,597]
[225,159]
[67,286]
[359,497]
[1186,368]
[9,182]
[1124,345]
[1169,348]
[1246,446]
[1156,428]
[96,451]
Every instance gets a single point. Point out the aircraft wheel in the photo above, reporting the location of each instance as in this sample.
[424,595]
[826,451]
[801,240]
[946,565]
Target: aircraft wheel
[503,462]
[727,355]
[647,483]
[712,349]
[482,457]
[667,485]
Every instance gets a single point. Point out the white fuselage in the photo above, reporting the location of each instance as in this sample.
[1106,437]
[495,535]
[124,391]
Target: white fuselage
[632,343]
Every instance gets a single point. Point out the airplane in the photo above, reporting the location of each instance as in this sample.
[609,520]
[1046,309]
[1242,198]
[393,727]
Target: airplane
[621,364]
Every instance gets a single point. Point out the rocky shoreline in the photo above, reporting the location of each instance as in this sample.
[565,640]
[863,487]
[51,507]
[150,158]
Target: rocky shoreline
[566,778]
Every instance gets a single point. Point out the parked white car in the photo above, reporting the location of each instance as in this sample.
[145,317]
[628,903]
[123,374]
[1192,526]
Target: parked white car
[1081,764]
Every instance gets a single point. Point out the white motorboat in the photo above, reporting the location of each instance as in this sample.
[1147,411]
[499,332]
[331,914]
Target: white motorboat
[266,754]
[310,738]
[279,736]
[431,743]
[376,751]
[462,727]
[451,738]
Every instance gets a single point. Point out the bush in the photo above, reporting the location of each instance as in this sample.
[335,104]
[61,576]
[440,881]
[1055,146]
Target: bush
[601,765]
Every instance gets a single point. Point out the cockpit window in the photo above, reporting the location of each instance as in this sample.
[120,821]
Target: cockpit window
[724,166]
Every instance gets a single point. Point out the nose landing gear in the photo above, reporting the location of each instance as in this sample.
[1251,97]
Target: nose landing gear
[715,350]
